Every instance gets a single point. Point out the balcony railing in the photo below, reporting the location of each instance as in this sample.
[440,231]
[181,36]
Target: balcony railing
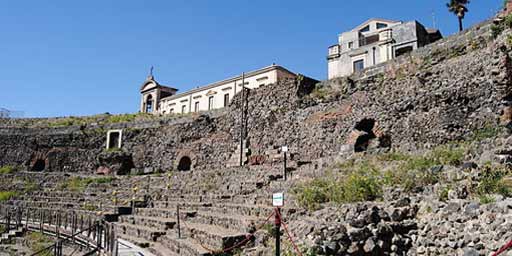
[334,51]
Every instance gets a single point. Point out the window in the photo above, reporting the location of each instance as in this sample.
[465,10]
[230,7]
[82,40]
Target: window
[358,65]
[381,25]
[365,29]
[350,45]
[183,109]
[196,106]
[171,111]
[226,99]
[403,50]
[210,103]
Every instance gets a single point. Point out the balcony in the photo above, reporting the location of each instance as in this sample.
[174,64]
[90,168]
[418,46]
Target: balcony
[334,51]
[369,40]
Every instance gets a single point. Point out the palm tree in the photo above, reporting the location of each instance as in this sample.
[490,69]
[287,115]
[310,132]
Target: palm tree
[458,7]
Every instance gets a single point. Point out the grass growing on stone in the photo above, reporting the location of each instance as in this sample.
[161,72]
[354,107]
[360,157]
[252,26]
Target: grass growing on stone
[78,184]
[362,184]
[320,92]
[7,195]
[364,179]
[489,131]
[8,169]
[37,242]
[494,180]
[413,171]
[30,186]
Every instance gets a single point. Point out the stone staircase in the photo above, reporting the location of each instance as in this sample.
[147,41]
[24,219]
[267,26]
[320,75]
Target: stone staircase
[217,209]
[5,237]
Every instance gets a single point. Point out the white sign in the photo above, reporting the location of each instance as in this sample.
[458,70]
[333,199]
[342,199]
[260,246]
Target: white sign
[278,199]
[284,149]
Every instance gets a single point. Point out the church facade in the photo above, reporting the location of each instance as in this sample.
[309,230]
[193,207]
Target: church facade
[162,99]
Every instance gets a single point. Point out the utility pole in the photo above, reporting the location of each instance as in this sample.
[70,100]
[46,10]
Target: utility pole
[178,220]
[242,121]
[285,150]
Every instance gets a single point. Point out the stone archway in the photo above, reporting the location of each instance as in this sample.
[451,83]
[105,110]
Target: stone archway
[184,164]
[39,165]
[366,134]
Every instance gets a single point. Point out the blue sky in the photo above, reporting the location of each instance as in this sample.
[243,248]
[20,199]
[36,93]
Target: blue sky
[61,57]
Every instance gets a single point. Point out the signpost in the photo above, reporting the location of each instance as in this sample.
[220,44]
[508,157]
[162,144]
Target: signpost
[285,150]
[278,202]
[278,199]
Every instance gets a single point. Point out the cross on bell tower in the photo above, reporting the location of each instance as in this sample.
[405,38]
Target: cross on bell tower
[151,73]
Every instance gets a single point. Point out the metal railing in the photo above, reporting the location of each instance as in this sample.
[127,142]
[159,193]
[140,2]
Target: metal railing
[84,230]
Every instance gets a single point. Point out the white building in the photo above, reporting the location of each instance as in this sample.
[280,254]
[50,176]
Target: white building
[376,41]
[160,99]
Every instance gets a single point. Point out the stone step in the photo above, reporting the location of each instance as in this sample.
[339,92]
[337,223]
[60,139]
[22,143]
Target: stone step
[141,242]
[211,236]
[159,249]
[152,222]
[139,231]
[183,246]
[222,208]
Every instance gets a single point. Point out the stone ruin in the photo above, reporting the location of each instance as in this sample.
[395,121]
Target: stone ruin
[441,93]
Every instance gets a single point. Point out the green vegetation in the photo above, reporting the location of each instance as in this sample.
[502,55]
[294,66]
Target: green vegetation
[496,30]
[493,181]
[459,8]
[364,179]
[7,195]
[38,242]
[90,207]
[126,118]
[30,186]
[113,150]
[361,184]
[8,169]
[486,199]
[508,21]
[320,92]
[78,184]
[415,171]
[487,132]
[443,195]
[100,119]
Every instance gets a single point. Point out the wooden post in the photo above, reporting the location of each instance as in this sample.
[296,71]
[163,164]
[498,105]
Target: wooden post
[28,218]
[57,217]
[73,226]
[89,227]
[81,222]
[66,220]
[98,235]
[8,222]
[41,221]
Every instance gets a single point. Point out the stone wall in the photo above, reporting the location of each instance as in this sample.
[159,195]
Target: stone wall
[440,93]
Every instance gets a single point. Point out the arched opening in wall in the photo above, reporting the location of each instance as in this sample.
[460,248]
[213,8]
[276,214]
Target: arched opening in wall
[364,126]
[185,164]
[39,165]
[149,104]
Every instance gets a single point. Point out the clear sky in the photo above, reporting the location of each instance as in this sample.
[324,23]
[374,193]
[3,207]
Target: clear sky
[62,57]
